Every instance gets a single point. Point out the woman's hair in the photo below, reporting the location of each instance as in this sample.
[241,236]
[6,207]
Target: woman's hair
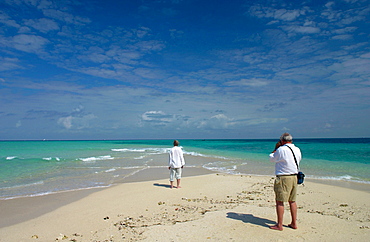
[286,137]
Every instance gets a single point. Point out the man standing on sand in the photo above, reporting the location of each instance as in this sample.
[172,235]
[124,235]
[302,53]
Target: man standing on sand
[285,185]
[176,163]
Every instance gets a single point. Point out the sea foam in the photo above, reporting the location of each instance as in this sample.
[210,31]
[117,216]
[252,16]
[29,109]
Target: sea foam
[93,159]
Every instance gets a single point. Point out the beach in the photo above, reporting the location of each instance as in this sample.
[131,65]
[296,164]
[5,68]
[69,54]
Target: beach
[209,207]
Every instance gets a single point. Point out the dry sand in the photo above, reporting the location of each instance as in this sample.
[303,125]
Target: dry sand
[212,207]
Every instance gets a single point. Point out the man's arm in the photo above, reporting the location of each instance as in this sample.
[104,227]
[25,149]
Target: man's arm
[275,156]
[169,159]
[277,145]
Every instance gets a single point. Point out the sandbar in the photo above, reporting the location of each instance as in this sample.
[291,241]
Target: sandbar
[209,207]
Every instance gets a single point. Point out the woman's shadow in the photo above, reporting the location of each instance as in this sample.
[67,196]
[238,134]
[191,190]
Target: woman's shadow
[250,218]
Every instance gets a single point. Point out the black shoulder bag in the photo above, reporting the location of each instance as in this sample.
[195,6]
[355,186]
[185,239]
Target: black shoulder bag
[300,175]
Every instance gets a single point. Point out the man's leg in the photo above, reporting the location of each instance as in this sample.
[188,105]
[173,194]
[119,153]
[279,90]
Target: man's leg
[172,175]
[293,213]
[280,216]
[178,176]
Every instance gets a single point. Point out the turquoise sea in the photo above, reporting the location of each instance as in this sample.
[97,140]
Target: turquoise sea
[32,168]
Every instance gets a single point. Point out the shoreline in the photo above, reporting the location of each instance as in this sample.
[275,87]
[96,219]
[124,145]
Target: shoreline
[358,186]
[138,176]
[215,206]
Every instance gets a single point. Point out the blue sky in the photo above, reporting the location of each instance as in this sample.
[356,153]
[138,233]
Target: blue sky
[91,69]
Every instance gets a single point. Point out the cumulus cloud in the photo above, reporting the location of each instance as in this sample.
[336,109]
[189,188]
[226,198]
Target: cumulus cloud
[76,122]
[66,122]
[156,117]
[160,118]
[219,121]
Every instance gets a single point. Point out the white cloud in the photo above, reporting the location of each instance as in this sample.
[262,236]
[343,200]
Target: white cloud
[29,43]
[94,54]
[66,122]
[343,37]
[142,32]
[150,45]
[345,16]
[219,121]
[278,14]
[76,122]
[301,29]
[43,25]
[367,55]
[148,73]
[66,17]
[329,4]
[79,109]
[344,30]
[121,55]
[286,15]
[156,117]
[253,82]
[328,126]
[5,19]
[257,121]
[7,64]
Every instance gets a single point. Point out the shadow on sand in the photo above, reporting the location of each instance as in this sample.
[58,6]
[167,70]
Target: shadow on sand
[249,218]
[161,185]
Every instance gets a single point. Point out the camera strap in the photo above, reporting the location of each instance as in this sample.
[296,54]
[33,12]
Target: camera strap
[293,156]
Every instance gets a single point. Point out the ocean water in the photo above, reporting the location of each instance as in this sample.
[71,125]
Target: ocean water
[32,168]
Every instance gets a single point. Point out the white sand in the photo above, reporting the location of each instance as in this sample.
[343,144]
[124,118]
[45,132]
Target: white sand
[207,208]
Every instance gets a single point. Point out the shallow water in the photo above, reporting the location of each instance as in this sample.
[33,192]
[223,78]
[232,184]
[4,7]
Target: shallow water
[31,168]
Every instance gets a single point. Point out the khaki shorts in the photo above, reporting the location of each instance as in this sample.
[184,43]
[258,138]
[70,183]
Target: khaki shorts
[285,188]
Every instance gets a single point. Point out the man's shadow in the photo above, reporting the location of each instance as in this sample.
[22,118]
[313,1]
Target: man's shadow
[162,185]
[250,218]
